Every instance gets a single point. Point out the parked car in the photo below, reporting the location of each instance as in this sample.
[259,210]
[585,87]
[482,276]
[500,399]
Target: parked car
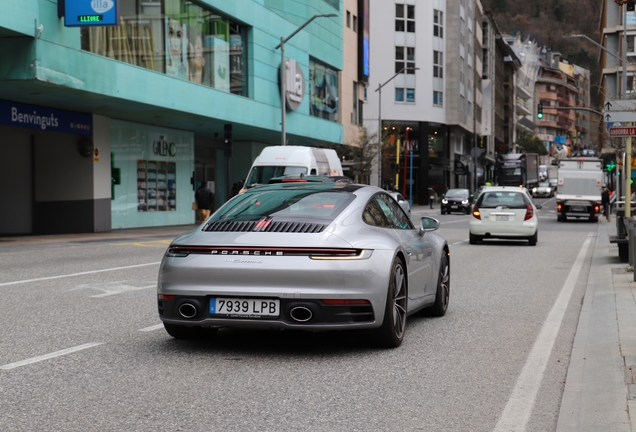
[504,212]
[403,202]
[543,190]
[305,255]
[457,200]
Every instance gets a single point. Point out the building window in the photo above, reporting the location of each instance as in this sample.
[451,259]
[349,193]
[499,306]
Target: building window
[323,91]
[438,98]
[404,18]
[348,19]
[354,113]
[405,95]
[438,64]
[177,38]
[405,58]
[438,23]
[355,23]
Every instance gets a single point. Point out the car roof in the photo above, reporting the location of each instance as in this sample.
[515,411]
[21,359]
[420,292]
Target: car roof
[504,189]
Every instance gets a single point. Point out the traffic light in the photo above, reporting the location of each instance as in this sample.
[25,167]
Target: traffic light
[540,111]
[610,165]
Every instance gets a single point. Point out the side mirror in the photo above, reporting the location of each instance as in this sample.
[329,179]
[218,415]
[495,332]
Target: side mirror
[428,224]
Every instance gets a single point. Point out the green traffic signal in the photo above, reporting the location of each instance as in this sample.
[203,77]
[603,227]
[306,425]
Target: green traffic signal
[540,111]
[610,165]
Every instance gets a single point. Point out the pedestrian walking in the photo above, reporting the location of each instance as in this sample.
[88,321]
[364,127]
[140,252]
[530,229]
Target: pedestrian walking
[431,196]
[205,200]
[605,202]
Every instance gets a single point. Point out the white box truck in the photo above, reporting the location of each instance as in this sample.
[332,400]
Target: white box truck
[579,188]
[276,161]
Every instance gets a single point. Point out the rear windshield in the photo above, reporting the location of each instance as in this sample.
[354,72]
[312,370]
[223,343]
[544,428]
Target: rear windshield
[261,175]
[503,199]
[290,204]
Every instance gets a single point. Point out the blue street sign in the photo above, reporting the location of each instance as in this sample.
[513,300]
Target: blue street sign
[91,13]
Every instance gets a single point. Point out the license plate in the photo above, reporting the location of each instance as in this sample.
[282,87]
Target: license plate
[577,209]
[501,218]
[453,206]
[244,307]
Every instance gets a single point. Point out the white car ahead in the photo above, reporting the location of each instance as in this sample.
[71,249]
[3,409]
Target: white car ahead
[504,212]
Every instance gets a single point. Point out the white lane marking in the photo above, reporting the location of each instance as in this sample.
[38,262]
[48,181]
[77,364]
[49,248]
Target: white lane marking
[50,356]
[152,328]
[122,289]
[459,242]
[77,274]
[517,411]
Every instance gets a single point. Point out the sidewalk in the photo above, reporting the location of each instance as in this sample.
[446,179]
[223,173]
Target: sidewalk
[162,232]
[600,390]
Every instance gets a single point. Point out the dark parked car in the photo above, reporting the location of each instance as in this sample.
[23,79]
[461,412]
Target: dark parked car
[457,200]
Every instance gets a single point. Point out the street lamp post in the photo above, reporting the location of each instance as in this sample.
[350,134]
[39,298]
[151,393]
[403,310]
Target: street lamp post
[379,90]
[282,71]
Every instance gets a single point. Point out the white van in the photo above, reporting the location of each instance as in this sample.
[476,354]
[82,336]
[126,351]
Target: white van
[276,161]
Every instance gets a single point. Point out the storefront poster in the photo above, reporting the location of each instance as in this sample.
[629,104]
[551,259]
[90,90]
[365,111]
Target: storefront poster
[323,91]
[220,53]
[176,49]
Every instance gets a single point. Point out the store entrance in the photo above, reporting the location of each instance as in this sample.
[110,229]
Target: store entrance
[204,171]
[16,183]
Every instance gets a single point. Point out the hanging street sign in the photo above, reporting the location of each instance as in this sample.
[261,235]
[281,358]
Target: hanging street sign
[622,131]
[619,116]
[619,105]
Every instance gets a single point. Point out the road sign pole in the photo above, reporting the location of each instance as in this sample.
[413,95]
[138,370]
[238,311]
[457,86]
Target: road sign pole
[627,169]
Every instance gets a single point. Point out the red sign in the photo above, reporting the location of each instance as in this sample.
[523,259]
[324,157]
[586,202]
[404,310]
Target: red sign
[622,131]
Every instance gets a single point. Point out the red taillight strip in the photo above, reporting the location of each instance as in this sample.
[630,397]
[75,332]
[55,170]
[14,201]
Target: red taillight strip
[345,302]
[265,251]
[166,297]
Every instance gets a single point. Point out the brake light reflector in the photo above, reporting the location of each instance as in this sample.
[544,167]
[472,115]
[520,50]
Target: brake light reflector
[529,213]
[476,213]
[166,297]
[345,302]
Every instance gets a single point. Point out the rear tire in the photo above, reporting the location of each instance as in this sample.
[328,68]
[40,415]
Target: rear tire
[391,334]
[532,241]
[189,333]
[473,239]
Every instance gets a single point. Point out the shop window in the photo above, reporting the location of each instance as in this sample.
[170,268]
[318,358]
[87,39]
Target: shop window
[186,41]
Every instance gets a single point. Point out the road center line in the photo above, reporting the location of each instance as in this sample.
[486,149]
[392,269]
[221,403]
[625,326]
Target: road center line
[517,411]
[49,356]
[76,274]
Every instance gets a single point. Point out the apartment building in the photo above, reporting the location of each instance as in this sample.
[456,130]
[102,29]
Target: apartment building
[423,91]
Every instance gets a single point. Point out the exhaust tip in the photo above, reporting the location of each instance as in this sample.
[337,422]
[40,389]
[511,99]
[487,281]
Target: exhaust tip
[300,314]
[188,310]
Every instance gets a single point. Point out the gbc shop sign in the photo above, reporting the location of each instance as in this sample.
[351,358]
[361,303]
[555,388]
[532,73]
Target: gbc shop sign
[89,12]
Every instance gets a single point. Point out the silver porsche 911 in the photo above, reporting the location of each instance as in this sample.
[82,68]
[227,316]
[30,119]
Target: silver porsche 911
[305,255]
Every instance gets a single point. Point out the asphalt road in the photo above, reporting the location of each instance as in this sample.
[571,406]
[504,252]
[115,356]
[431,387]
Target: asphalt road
[82,349]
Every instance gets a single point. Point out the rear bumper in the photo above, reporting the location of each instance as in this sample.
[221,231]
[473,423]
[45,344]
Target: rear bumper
[502,231]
